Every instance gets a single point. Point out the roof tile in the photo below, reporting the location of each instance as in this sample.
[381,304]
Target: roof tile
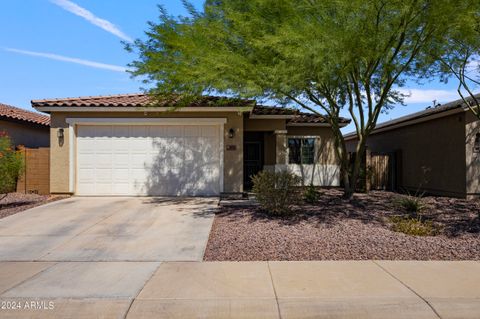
[144,100]
[16,113]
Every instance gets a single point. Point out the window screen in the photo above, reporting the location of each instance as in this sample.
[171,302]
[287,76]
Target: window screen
[301,150]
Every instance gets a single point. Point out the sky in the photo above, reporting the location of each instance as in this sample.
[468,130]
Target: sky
[70,48]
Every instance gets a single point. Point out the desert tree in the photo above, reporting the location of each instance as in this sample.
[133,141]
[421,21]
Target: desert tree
[328,57]
[460,59]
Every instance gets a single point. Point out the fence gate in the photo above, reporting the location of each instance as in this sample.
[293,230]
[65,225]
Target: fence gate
[36,174]
[380,169]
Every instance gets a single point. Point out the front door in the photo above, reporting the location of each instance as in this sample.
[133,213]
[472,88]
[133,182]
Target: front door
[252,158]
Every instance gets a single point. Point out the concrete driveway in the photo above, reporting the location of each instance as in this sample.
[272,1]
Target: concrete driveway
[109,229]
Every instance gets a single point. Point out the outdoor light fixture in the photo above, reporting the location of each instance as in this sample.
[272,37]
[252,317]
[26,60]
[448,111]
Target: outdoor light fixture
[231,133]
[60,136]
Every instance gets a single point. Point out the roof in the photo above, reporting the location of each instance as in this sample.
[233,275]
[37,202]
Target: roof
[144,100]
[18,114]
[425,115]
[139,100]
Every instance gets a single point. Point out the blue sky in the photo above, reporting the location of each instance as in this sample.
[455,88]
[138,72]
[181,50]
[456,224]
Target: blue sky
[65,48]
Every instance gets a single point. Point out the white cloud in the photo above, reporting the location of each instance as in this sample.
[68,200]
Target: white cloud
[428,96]
[93,19]
[57,57]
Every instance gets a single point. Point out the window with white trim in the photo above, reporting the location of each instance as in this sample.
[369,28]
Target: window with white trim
[476,144]
[301,150]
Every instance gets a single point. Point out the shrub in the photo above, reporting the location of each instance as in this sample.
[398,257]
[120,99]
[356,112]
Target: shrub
[275,191]
[11,165]
[414,226]
[411,204]
[310,195]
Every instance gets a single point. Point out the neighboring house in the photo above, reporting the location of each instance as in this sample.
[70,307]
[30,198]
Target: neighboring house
[26,128]
[436,151]
[124,145]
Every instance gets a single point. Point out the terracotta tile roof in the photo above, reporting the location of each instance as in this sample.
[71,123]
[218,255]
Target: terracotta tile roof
[138,100]
[143,100]
[273,110]
[15,113]
[298,117]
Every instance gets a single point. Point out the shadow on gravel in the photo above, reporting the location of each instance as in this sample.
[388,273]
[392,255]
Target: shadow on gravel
[454,216]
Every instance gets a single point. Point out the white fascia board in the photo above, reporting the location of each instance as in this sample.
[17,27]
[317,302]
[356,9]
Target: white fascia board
[146,121]
[140,109]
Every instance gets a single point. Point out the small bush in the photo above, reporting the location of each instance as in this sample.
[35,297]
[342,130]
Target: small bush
[11,165]
[411,204]
[310,195]
[276,192]
[414,226]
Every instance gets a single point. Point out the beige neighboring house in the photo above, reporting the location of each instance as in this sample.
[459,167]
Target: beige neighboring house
[436,151]
[25,128]
[124,145]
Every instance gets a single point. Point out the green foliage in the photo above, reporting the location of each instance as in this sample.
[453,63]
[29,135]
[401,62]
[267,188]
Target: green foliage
[324,56]
[414,226]
[310,195]
[411,204]
[276,192]
[11,165]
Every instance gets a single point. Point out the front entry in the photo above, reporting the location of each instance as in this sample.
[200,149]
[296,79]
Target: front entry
[252,157]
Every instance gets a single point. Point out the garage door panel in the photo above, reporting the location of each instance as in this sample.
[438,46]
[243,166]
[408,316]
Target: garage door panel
[121,131]
[209,131]
[102,131]
[138,131]
[169,160]
[121,160]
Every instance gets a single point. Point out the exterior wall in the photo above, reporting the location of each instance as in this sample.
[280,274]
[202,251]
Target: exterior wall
[472,128]
[269,148]
[59,151]
[28,135]
[35,178]
[264,124]
[432,154]
[325,171]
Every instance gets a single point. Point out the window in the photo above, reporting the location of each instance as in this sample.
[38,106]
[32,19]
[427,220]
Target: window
[476,145]
[301,150]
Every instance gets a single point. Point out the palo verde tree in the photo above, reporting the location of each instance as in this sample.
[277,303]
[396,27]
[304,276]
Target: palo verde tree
[324,56]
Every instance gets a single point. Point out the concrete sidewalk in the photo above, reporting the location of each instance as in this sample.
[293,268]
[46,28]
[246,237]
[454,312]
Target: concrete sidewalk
[318,289]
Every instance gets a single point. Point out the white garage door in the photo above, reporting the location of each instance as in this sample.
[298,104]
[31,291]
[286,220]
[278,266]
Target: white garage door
[173,160]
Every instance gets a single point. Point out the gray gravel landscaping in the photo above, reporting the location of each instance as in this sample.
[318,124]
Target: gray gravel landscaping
[17,202]
[337,229]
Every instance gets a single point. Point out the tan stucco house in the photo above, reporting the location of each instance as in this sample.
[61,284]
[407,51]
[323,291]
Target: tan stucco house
[436,151]
[25,128]
[125,145]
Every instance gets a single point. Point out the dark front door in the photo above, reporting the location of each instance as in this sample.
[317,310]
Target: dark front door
[252,161]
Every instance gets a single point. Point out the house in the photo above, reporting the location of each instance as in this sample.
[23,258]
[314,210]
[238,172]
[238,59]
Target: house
[128,145]
[25,128]
[436,151]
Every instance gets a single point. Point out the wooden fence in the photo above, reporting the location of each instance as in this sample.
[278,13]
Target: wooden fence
[379,172]
[36,175]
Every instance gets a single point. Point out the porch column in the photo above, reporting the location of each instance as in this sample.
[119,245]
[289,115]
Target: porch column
[281,147]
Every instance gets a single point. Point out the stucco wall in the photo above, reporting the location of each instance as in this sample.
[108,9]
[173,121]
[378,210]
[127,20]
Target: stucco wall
[472,128]
[29,135]
[325,142]
[233,159]
[263,124]
[432,154]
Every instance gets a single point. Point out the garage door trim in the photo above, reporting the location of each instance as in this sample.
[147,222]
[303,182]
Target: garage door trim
[73,122]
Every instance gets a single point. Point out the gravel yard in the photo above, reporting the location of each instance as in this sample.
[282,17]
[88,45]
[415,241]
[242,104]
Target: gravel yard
[17,202]
[337,229]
